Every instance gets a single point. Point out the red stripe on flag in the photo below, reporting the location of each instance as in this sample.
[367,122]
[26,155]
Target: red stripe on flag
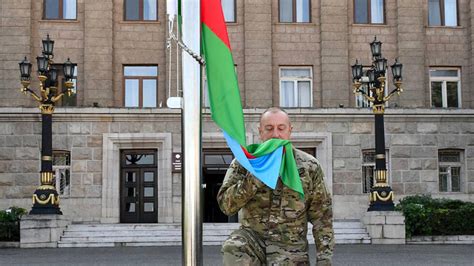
[212,16]
[247,154]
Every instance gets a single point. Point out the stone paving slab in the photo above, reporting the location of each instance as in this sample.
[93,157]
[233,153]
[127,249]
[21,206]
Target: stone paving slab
[344,255]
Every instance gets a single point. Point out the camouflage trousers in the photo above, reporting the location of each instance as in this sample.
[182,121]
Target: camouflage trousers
[245,247]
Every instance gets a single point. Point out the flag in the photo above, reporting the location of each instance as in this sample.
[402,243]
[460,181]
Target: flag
[266,161]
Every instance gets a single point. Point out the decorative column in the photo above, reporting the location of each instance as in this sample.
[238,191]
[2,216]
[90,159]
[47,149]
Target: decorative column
[45,198]
[373,78]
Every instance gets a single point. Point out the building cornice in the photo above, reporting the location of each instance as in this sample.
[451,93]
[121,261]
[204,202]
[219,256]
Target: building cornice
[252,114]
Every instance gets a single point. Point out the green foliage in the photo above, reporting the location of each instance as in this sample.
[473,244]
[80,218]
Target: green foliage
[10,223]
[427,216]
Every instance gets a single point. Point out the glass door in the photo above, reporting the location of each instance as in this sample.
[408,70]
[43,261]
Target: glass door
[138,187]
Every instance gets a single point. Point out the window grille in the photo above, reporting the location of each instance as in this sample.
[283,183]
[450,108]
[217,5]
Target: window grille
[368,169]
[449,170]
[62,170]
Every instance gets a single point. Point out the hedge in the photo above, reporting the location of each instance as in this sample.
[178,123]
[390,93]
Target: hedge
[427,216]
[10,223]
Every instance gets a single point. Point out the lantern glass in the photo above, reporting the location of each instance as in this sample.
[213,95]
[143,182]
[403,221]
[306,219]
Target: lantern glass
[68,69]
[356,70]
[376,48]
[381,65]
[42,64]
[397,70]
[371,75]
[48,46]
[53,76]
[25,69]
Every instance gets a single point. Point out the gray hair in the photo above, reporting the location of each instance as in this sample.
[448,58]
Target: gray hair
[274,110]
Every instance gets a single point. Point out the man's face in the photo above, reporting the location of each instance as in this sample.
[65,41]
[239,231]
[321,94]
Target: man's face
[275,125]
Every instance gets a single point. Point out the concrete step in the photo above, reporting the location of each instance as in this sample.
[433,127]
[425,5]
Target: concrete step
[111,235]
[347,225]
[98,239]
[354,241]
[349,230]
[116,244]
[118,227]
[352,236]
[88,227]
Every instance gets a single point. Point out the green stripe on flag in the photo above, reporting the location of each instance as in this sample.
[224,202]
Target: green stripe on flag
[224,96]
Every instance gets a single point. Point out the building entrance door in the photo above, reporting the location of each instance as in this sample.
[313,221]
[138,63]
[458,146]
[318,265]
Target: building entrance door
[138,186]
[214,167]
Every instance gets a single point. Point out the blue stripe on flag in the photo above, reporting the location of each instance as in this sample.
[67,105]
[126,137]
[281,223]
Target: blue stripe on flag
[266,168]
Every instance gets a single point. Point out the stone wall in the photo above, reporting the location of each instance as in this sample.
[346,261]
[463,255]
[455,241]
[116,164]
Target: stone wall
[385,227]
[101,43]
[15,43]
[413,139]
[82,135]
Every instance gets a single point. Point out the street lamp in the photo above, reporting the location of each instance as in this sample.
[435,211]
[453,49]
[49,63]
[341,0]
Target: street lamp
[45,197]
[376,48]
[381,194]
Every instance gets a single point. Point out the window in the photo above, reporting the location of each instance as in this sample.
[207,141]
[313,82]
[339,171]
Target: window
[368,169]
[445,87]
[228,7]
[309,150]
[296,87]
[360,100]
[66,100]
[140,10]
[218,161]
[369,11]
[449,170]
[59,9]
[294,10]
[62,172]
[140,86]
[443,13]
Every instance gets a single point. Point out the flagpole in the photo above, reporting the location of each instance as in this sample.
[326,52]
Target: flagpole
[191,73]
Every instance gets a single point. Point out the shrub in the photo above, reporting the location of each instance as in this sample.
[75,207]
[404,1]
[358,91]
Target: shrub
[427,216]
[10,223]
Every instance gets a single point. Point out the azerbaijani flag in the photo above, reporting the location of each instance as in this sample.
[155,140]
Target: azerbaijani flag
[266,161]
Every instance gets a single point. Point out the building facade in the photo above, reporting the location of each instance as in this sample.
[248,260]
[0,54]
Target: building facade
[117,145]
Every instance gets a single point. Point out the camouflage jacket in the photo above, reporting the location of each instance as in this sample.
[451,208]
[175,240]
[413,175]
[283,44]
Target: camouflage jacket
[280,216]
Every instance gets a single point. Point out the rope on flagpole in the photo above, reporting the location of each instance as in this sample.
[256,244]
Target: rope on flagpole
[168,46]
[183,46]
[179,91]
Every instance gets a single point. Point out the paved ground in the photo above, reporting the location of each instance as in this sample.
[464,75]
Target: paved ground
[344,255]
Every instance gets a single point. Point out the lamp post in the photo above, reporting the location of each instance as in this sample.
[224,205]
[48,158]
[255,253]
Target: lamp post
[45,197]
[381,194]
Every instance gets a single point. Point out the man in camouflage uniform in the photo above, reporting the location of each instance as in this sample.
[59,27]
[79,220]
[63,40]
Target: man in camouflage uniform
[274,222]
